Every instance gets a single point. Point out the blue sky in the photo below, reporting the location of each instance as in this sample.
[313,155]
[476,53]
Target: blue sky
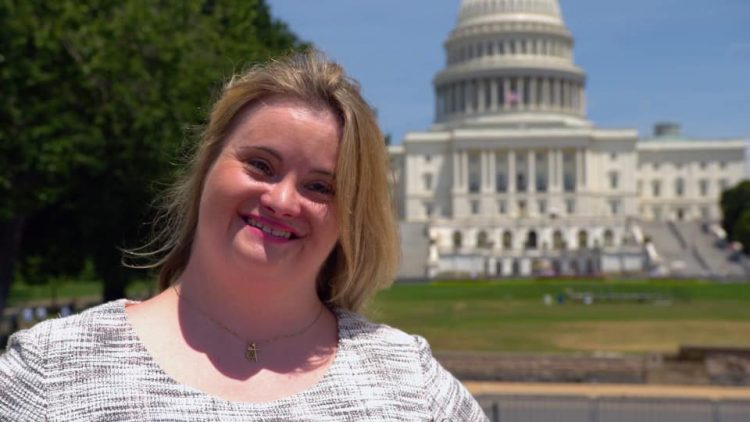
[646,60]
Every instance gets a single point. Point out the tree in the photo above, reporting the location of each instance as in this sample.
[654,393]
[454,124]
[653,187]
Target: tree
[98,98]
[742,230]
[735,206]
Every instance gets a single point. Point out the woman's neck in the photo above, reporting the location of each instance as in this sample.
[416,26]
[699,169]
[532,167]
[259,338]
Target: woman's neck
[254,307]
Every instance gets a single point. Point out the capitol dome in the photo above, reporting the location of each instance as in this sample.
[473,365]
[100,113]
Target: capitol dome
[510,61]
[541,10]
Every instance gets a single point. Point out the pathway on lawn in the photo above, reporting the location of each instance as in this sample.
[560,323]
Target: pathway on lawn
[521,402]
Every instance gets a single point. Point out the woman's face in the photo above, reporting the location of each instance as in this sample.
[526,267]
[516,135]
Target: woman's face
[268,201]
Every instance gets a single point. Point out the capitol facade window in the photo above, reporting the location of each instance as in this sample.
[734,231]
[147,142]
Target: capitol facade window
[427,181]
[542,205]
[570,206]
[656,188]
[502,206]
[703,186]
[679,187]
[614,180]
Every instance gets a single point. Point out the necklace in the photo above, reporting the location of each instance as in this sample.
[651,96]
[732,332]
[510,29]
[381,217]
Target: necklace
[251,347]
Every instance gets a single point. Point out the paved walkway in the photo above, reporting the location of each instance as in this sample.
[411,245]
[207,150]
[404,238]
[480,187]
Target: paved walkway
[609,390]
[521,402]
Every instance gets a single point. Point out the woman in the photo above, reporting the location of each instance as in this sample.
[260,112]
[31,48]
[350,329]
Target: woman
[277,234]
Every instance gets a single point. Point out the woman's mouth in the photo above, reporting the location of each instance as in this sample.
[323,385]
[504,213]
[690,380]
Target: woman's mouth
[269,229]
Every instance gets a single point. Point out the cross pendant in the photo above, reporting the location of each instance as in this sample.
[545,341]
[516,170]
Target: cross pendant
[251,353]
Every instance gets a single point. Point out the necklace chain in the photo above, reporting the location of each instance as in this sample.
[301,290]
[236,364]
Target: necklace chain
[251,350]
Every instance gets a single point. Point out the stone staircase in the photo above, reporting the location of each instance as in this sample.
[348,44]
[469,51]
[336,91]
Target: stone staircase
[717,260]
[675,250]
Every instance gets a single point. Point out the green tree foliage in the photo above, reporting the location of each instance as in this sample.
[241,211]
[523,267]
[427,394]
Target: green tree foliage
[735,205]
[742,230]
[96,100]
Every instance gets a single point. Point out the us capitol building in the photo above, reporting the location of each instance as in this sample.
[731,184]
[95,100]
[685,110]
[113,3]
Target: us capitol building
[513,180]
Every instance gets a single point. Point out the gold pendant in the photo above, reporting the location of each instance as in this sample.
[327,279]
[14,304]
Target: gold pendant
[251,353]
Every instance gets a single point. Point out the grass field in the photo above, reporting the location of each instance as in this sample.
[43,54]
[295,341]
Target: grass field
[68,289]
[511,316]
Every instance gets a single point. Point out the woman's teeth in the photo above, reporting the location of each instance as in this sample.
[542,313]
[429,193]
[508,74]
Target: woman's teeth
[266,229]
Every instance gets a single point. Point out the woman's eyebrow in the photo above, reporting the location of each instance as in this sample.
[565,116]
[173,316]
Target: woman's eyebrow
[325,173]
[245,149]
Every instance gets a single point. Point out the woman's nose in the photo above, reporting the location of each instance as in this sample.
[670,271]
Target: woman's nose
[281,198]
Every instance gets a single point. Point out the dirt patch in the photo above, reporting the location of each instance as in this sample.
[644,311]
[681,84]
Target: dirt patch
[648,336]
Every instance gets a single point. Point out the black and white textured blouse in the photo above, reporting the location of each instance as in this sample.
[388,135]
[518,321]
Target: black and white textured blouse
[92,367]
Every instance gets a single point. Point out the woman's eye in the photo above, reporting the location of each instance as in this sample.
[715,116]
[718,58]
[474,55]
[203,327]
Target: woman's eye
[260,166]
[322,188]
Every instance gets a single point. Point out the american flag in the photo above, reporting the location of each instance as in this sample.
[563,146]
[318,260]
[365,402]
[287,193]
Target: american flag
[512,97]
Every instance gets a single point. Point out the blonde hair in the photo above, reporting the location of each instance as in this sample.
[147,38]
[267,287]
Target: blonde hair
[365,257]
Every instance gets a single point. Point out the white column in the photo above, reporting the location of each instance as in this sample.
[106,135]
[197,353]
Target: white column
[562,94]
[468,97]
[579,169]
[558,93]
[550,93]
[480,95]
[511,171]
[583,100]
[484,169]
[545,93]
[571,95]
[448,99]
[461,97]
[451,98]
[520,88]
[531,170]
[465,170]
[438,103]
[584,167]
[457,172]
[493,94]
[532,93]
[492,171]
[506,87]
[550,170]
[560,170]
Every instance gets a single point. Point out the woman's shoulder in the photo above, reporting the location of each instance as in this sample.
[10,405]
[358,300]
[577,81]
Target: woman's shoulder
[382,343]
[357,327]
[403,363]
[91,328]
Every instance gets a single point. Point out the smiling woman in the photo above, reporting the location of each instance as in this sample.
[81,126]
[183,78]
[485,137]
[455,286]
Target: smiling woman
[279,231]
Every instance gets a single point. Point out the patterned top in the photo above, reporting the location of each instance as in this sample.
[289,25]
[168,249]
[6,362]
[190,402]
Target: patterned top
[93,367]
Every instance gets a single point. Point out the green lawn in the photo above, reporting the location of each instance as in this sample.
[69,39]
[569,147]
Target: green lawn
[511,316]
[69,289]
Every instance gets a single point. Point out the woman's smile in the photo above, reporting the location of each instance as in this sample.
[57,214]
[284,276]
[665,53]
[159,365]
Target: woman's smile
[270,230]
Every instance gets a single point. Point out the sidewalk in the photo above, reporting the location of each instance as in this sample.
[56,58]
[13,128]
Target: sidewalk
[478,388]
